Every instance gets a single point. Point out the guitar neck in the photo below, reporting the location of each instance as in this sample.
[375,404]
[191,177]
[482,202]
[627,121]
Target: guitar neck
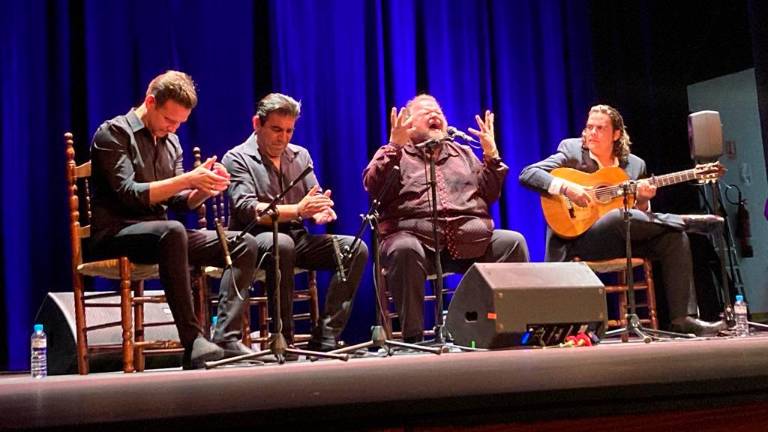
[674,178]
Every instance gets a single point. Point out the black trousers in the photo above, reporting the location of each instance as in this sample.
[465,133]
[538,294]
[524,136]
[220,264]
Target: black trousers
[406,264]
[174,248]
[298,248]
[654,236]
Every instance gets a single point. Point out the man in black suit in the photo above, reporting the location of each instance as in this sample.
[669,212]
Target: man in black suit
[605,143]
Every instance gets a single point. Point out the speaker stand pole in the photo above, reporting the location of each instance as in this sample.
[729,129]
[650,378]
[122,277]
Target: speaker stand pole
[724,241]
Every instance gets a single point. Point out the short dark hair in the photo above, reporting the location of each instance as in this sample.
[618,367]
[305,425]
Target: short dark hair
[279,103]
[176,86]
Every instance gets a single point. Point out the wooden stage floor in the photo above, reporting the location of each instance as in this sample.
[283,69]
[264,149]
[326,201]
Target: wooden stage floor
[701,384]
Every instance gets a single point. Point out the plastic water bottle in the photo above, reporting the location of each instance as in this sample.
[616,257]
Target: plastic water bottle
[39,353]
[214,321]
[740,313]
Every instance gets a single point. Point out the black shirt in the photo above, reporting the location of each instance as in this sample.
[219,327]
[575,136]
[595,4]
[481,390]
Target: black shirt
[255,179]
[125,159]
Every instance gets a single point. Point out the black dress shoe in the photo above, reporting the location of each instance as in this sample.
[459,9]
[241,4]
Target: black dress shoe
[234,349]
[702,224]
[697,326]
[200,352]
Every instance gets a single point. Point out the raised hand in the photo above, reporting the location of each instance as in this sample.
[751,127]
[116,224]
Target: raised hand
[486,134]
[400,134]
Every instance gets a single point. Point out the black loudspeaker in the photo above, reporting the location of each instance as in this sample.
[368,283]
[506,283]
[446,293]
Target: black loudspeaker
[57,315]
[526,304]
[705,136]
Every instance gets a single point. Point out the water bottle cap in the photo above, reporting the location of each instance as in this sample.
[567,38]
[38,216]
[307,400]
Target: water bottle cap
[38,327]
[739,297]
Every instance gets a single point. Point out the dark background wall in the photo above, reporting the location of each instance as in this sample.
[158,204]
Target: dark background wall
[539,65]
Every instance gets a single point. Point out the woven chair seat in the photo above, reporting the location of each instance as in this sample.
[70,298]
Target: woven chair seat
[110,269]
[613,265]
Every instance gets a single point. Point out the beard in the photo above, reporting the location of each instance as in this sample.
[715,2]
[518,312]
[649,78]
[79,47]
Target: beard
[427,134]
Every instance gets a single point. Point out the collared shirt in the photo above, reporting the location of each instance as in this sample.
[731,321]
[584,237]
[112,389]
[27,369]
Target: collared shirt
[255,179]
[125,160]
[466,188]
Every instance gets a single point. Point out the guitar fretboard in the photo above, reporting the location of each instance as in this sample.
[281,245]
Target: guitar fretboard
[674,178]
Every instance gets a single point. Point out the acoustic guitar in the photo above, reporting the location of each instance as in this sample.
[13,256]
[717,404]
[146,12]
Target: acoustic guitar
[606,188]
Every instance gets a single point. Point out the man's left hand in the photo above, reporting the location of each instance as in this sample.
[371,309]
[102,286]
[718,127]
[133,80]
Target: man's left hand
[645,192]
[486,134]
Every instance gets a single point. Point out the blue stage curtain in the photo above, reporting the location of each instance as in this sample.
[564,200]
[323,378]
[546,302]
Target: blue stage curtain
[71,65]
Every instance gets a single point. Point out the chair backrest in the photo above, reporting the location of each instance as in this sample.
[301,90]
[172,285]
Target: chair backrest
[79,221]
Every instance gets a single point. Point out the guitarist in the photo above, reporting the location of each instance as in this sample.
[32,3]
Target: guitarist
[604,143]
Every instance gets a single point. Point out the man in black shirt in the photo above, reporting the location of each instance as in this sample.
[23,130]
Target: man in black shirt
[137,175]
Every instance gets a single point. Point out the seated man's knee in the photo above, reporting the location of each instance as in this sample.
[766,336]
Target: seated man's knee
[251,246]
[362,251]
[173,231]
[287,247]
[514,245]
[404,248]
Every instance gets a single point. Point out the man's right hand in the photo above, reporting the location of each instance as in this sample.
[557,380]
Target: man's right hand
[577,194]
[314,202]
[400,134]
[204,179]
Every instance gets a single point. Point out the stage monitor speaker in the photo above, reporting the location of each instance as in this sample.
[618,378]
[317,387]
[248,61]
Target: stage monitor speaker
[705,136]
[57,314]
[526,304]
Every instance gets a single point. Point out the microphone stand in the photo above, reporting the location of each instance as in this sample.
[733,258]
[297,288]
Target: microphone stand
[380,336]
[440,336]
[634,326]
[278,346]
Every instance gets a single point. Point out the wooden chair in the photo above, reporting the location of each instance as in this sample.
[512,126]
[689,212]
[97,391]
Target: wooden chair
[131,295]
[220,211]
[646,310]
[388,305]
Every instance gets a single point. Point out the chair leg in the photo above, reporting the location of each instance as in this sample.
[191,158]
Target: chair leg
[651,294]
[622,279]
[200,294]
[138,326]
[314,306]
[80,324]
[246,328]
[384,304]
[264,324]
[125,315]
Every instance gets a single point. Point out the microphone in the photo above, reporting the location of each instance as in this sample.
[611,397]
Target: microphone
[339,259]
[454,132]
[224,244]
[629,187]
